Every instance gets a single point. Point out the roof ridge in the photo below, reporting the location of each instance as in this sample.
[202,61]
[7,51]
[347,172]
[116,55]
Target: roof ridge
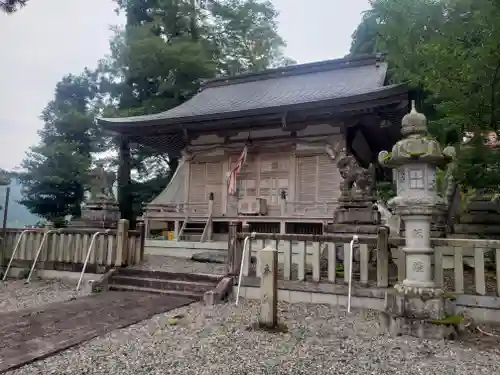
[348,61]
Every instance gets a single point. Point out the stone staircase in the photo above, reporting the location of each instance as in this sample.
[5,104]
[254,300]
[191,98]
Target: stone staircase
[190,285]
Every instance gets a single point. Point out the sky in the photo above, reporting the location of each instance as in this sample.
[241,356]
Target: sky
[51,38]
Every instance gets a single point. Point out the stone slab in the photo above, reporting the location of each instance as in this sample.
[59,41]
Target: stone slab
[34,334]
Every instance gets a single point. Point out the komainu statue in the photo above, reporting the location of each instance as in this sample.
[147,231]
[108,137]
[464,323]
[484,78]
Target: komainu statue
[358,182]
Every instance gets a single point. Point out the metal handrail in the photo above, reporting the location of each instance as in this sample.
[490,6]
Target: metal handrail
[349,291]
[39,251]
[87,257]
[15,250]
[245,247]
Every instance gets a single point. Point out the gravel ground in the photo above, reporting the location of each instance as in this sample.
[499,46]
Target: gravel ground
[217,341]
[175,264]
[16,295]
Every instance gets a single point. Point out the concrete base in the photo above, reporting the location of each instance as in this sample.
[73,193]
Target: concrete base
[16,272]
[183,249]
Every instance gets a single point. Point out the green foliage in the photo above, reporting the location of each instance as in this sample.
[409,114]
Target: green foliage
[478,167]
[385,190]
[246,36]
[448,51]
[55,171]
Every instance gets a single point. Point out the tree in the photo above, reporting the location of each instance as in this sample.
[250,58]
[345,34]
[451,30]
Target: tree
[54,173]
[448,50]
[165,52]
[10,6]
[246,36]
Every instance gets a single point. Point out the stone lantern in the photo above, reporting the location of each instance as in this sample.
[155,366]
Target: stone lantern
[415,159]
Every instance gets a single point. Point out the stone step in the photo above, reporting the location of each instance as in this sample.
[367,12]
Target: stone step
[191,237]
[162,284]
[180,293]
[181,276]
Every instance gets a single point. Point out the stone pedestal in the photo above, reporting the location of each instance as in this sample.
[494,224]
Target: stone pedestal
[101,213]
[423,316]
[355,216]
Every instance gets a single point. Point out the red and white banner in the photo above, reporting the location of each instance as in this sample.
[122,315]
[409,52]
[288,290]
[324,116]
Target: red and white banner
[231,179]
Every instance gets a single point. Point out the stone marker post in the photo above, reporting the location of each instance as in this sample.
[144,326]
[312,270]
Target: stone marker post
[235,248]
[269,288]
[415,159]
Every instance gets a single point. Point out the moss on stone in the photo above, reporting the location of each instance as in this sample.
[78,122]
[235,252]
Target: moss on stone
[450,297]
[387,156]
[175,320]
[450,320]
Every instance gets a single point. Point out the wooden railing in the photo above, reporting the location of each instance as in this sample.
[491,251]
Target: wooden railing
[473,265]
[115,248]
[282,208]
[461,266]
[315,257]
[191,209]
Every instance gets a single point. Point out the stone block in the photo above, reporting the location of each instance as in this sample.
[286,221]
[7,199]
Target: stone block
[421,328]
[420,316]
[220,293]
[422,308]
[268,287]
[357,215]
[209,298]
[394,304]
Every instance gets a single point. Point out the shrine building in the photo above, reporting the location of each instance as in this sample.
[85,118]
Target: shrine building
[261,148]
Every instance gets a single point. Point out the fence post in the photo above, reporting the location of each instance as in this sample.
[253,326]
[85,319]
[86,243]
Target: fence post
[122,243]
[45,254]
[141,227]
[383,257]
[269,287]
[235,249]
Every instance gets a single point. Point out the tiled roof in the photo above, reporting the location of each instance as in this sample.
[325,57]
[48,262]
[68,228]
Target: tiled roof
[283,87]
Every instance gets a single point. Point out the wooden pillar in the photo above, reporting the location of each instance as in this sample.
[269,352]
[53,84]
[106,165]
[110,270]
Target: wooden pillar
[235,249]
[224,197]
[124,181]
[176,229]
[186,157]
[292,176]
[147,226]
